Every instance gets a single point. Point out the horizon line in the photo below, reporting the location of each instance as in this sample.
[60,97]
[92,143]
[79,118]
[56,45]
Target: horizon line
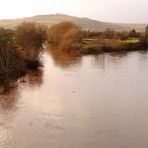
[23,17]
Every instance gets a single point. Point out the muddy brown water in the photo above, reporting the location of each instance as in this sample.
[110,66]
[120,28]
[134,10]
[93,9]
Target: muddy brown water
[91,101]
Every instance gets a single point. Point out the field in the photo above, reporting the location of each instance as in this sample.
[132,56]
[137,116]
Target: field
[102,45]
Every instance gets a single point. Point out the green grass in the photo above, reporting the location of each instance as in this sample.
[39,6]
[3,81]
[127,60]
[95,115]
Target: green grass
[103,45]
[132,41]
[107,42]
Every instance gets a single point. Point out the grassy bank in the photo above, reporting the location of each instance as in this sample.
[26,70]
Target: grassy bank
[92,46]
[69,38]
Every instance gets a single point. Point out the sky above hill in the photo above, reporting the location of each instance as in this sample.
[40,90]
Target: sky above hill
[126,11]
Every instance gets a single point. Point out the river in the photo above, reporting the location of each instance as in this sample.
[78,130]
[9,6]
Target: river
[91,101]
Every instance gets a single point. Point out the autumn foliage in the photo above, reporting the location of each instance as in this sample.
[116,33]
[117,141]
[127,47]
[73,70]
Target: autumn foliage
[65,35]
[30,35]
[29,40]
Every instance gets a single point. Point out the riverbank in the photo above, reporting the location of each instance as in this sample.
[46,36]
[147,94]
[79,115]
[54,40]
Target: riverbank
[67,37]
[97,46]
[20,51]
[94,46]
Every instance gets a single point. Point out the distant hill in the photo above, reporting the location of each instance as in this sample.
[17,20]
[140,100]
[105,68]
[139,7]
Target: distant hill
[84,23]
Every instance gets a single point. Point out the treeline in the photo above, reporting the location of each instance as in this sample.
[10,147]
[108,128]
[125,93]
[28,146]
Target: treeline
[20,48]
[67,37]
[111,40]
[112,34]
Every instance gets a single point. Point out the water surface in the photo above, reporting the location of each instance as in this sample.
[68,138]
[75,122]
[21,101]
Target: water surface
[73,102]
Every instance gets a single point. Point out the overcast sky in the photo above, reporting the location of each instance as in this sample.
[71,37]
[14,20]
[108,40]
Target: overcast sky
[126,11]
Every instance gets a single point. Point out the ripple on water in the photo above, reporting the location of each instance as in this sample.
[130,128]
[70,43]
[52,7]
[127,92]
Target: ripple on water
[4,138]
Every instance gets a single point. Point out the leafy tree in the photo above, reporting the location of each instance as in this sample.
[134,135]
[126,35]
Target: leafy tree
[6,38]
[73,34]
[109,34]
[30,35]
[29,40]
[56,32]
[133,33]
[144,38]
[65,35]
[71,39]
[146,31]
[11,65]
[123,35]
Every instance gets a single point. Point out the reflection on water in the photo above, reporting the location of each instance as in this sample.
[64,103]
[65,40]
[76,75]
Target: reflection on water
[63,59]
[78,101]
[8,101]
[9,95]
[34,78]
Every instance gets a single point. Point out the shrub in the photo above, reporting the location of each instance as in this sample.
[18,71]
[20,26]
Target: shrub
[29,39]
[65,36]
[30,35]
[71,39]
[6,38]
[11,66]
[56,32]
[123,36]
[109,34]
[144,41]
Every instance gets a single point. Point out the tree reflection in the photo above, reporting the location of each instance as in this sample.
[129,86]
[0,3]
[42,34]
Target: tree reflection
[8,96]
[33,78]
[64,59]
[9,93]
[71,59]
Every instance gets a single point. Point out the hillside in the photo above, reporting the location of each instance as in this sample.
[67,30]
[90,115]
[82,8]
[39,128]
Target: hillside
[84,23]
